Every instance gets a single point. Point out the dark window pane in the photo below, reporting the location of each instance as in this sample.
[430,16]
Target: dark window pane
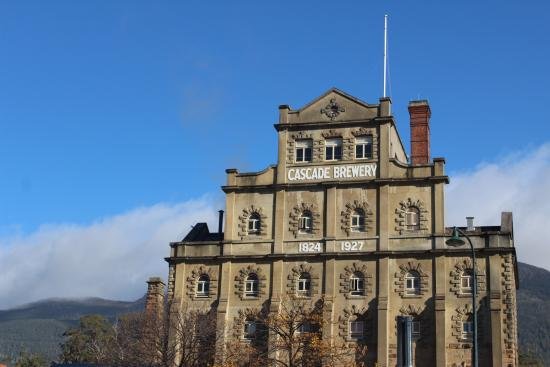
[328,152]
[358,151]
[299,155]
[368,148]
[308,155]
[338,152]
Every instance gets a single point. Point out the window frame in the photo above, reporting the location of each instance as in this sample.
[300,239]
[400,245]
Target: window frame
[305,222]
[252,286]
[411,213]
[203,286]
[365,145]
[468,276]
[357,284]
[415,329]
[305,148]
[356,334]
[254,223]
[334,146]
[359,217]
[467,332]
[414,277]
[303,286]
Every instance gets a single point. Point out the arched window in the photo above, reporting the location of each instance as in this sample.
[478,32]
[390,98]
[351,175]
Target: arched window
[358,221]
[304,284]
[357,284]
[251,285]
[412,283]
[249,329]
[203,286]
[305,222]
[466,281]
[412,219]
[254,223]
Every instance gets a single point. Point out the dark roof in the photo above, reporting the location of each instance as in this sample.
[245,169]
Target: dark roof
[200,232]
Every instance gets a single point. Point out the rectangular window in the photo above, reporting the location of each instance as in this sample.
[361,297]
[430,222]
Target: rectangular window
[303,285]
[303,150]
[305,224]
[251,288]
[356,329]
[202,288]
[357,223]
[357,286]
[333,149]
[363,147]
[253,225]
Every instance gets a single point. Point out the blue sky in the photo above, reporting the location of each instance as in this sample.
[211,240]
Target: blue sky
[109,105]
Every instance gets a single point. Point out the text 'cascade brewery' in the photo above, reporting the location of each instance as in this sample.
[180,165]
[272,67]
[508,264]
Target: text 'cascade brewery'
[347,233]
[336,172]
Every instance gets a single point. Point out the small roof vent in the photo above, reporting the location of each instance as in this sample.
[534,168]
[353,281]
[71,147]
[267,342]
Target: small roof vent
[470,224]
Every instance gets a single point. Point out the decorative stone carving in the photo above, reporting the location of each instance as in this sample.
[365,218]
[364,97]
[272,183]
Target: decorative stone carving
[400,279]
[345,280]
[301,135]
[400,220]
[327,134]
[350,209]
[459,268]
[294,219]
[294,275]
[243,225]
[332,109]
[241,277]
[196,273]
[354,313]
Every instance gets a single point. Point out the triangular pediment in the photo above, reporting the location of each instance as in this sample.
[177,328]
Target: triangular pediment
[334,105]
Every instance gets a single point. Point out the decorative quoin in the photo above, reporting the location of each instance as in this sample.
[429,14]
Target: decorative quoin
[333,109]
[192,279]
[401,213]
[345,277]
[350,209]
[294,221]
[459,268]
[243,225]
[294,275]
[400,283]
[241,277]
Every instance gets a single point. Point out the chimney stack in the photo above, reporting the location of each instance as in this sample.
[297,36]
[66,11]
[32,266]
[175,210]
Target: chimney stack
[470,224]
[420,113]
[154,301]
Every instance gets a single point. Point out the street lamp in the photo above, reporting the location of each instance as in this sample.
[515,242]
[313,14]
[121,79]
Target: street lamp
[456,241]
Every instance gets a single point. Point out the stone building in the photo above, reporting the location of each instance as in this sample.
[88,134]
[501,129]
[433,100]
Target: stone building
[347,215]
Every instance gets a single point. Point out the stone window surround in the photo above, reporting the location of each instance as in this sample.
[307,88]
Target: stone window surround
[353,313]
[294,220]
[400,285]
[240,280]
[192,279]
[455,277]
[243,222]
[400,216]
[293,276]
[345,276]
[346,214]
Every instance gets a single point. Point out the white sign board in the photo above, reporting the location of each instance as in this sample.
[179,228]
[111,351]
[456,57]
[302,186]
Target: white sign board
[339,172]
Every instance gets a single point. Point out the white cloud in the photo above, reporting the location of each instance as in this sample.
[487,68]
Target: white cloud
[110,258]
[519,183]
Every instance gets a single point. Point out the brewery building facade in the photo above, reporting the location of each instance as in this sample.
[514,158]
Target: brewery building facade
[346,214]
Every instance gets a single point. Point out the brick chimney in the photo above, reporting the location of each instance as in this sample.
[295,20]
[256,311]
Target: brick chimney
[154,301]
[419,112]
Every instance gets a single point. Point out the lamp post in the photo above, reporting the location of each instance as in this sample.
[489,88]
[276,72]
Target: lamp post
[456,241]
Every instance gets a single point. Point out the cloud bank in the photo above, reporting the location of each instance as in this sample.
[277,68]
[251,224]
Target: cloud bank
[111,258]
[519,183]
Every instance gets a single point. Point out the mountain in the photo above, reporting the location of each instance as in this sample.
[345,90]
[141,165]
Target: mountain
[533,299]
[38,327]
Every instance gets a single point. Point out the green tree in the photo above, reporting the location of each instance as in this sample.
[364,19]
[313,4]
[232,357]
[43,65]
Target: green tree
[90,342]
[30,360]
